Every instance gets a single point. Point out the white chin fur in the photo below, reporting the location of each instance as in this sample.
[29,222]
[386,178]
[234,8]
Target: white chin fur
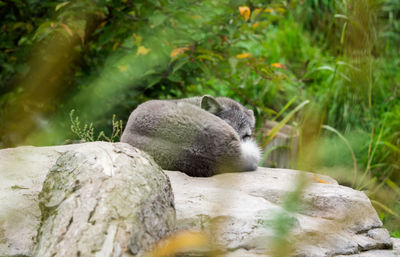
[251,154]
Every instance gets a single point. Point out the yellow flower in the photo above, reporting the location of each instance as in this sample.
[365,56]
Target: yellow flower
[255,25]
[278,65]
[243,55]
[269,10]
[142,50]
[245,12]
[178,51]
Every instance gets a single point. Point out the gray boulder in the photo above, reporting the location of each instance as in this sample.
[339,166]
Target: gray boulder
[94,199]
[243,214]
[103,199]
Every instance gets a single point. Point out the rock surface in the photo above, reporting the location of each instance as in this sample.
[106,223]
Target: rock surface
[243,213]
[22,172]
[102,199]
[380,253]
[98,199]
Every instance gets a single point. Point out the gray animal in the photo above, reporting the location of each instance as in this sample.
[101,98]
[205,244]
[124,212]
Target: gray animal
[200,136]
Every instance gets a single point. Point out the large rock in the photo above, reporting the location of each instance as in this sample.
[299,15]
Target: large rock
[22,172]
[103,199]
[97,199]
[243,214]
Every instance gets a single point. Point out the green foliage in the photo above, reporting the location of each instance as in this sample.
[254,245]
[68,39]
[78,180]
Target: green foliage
[103,57]
[87,134]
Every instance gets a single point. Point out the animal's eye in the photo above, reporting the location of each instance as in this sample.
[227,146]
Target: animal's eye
[247,136]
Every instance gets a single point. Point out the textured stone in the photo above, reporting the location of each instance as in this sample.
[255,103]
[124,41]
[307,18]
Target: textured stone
[22,172]
[395,252]
[103,199]
[97,199]
[241,211]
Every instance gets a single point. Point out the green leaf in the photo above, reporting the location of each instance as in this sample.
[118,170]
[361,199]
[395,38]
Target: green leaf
[153,80]
[149,72]
[61,5]
[349,147]
[22,41]
[385,208]
[394,186]
[272,133]
[157,19]
[206,57]
[175,78]
[392,147]
[326,67]
[233,63]
[341,16]
[284,108]
[179,63]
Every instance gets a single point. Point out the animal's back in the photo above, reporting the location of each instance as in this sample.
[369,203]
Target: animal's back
[180,135]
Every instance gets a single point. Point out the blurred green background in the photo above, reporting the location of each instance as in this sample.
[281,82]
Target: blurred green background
[329,68]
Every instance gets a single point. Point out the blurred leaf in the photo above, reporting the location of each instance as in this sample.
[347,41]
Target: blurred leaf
[285,108]
[233,63]
[61,5]
[44,29]
[272,133]
[178,51]
[278,65]
[179,63]
[18,25]
[341,16]
[79,27]
[175,78]
[280,10]
[69,31]
[122,68]
[210,53]
[393,186]
[243,55]
[245,12]
[392,147]
[349,147]
[206,57]
[178,242]
[157,19]
[153,80]
[255,14]
[142,50]
[267,152]
[326,67]
[22,41]
[384,207]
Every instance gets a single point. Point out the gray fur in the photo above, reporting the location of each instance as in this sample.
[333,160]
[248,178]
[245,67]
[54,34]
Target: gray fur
[200,136]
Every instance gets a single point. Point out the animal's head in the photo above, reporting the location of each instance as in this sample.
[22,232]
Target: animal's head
[235,114]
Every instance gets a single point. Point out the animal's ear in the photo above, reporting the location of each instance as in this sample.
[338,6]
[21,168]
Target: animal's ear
[250,112]
[210,104]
